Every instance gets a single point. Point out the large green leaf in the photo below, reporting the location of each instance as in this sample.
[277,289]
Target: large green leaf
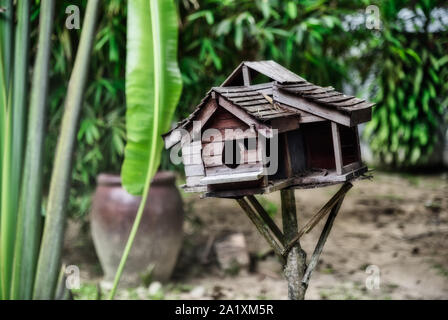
[153,86]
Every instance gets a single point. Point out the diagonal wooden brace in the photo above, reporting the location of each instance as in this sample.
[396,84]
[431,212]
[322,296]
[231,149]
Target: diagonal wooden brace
[267,219]
[319,215]
[322,239]
[261,227]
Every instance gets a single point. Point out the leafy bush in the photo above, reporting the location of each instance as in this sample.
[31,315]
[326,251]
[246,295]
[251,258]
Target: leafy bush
[316,39]
[101,135]
[412,86]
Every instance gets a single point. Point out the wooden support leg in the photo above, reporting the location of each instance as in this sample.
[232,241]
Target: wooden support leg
[266,218]
[320,244]
[296,259]
[318,216]
[261,227]
[295,269]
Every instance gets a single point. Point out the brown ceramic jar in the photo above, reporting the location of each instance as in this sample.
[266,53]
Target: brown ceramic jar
[158,239]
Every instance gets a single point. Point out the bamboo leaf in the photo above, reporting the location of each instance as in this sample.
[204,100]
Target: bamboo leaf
[49,262]
[153,86]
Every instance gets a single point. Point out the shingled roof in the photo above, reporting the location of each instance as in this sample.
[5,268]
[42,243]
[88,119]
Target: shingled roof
[272,99]
[327,96]
[269,68]
[256,101]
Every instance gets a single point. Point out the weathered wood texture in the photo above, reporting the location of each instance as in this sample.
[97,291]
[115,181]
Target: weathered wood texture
[315,127]
[288,95]
[253,104]
[319,215]
[246,75]
[219,170]
[313,180]
[232,178]
[261,227]
[311,107]
[347,107]
[322,239]
[269,68]
[193,165]
[296,259]
[267,219]
[202,116]
[223,119]
[337,147]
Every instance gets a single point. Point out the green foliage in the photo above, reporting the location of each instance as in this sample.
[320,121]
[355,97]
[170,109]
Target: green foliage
[9,178]
[86,292]
[412,89]
[101,135]
[305,36]
[20,228]
[28,230]
[49,262]
[310,37]
[270,207]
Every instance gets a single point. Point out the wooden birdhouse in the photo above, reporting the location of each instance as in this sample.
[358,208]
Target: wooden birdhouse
[265,129]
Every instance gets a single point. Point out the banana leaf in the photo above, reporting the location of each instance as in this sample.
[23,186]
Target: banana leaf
[153,87]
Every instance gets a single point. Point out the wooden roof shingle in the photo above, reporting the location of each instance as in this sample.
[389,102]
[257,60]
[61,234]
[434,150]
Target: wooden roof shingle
[255,100]
[265,101]
[327,96]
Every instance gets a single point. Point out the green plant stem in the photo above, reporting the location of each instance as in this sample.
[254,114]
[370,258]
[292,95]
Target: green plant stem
[6,44]
[29,216]
[158,78]
[49,261]
[131,238]
[6,30]
[8,218]
[19,94]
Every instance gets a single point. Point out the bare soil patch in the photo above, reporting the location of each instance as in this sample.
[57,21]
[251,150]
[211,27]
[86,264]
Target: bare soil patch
[397,223]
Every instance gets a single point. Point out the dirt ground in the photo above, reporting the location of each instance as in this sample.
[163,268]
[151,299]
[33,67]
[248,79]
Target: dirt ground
[396,225]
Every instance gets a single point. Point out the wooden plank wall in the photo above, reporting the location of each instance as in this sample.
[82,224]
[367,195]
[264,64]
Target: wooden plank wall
[212,149]
[193,165]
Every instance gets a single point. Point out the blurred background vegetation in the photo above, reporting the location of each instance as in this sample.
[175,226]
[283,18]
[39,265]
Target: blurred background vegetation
[403,67]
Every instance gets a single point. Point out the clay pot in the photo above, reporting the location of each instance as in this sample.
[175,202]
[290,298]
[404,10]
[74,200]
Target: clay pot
[158,239]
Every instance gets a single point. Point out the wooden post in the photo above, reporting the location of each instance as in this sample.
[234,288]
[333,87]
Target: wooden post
[296,259]
[292,256]
[337,147]
[319,215]
[246,76]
